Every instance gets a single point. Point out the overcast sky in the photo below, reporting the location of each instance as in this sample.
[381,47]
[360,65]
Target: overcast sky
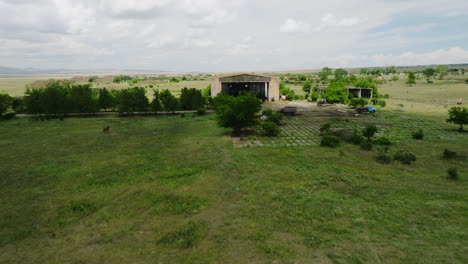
[232,35]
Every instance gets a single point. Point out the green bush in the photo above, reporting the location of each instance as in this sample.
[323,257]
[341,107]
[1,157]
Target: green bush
[236,112]
[325,128]
[272,116]
[404,157]
[418,134]
[369,131]
[330,141]
[5,103]
[366,145]
[453,174]
[384,141]
[355,102]
[448,154]
[286,91]
[336,92]
[201,111]
[356,138]
[383,158]
[270,129]
[382,103]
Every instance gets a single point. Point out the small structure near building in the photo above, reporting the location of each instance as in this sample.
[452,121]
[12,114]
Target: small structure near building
[360,92]
[263,87]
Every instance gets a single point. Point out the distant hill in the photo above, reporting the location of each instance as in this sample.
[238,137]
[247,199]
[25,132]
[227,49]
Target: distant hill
[34,71]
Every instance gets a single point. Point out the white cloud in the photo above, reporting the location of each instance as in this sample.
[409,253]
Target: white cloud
[294,26]
[332,20]
[181,34]
[441,56]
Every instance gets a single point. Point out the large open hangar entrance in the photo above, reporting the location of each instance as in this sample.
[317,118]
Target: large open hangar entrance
[263,87]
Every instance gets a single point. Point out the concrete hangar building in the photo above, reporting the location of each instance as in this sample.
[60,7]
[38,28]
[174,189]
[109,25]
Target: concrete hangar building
[264,87]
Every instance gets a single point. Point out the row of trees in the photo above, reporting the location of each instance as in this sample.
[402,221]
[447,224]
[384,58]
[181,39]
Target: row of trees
[60,99]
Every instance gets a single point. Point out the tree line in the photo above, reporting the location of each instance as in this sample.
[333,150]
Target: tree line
[58,99]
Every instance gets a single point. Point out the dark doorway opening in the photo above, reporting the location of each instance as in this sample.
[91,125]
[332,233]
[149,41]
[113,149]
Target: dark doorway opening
[259,89]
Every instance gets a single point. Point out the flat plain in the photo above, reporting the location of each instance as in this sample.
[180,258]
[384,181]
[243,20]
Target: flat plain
[174,189]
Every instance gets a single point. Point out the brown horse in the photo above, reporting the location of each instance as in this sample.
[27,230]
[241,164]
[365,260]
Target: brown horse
[106,129]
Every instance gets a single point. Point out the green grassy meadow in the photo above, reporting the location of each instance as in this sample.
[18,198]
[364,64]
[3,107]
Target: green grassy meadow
[175,190]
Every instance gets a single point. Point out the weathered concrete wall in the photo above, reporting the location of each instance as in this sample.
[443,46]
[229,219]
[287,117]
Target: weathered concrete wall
[274,89]
[215,86]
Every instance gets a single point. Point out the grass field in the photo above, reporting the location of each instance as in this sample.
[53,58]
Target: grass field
[175,190]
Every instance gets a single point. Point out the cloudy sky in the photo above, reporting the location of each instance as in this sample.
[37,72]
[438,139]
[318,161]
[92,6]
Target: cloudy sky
[231,35]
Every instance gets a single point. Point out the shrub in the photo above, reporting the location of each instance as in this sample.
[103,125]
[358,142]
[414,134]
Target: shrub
[286,91]
[448,154]
[418,134]
[330,141]
[404,157]
[343,133]
[182,115]
[236,112]
[355,102]
[453,174]
[5,103]
[383,158]
[382,103]
[384,141]
[369,131]
[356,138]
[270,129]
[366,145]
[201,111]
[325,128]
[273,116]
[375,101]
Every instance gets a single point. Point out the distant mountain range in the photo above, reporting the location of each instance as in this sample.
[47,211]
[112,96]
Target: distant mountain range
[34,71]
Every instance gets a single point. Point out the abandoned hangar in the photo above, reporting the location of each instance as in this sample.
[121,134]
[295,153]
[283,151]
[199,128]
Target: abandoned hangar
[264,87]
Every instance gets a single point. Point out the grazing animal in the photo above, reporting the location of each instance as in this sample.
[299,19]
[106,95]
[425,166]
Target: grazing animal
[459,101]
[106,129]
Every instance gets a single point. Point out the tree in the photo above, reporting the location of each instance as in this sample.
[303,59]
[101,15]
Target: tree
[428,73]
[323,75]
[83,99]
[369,131]
[411,78]
[307,86]
[236,112]
[156,105]
[340,74]
[442,71]
[168,101]
[458,115]
[191,99]
[132,100]
[5,103]
[336,92]
[206,92]
[106,99]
